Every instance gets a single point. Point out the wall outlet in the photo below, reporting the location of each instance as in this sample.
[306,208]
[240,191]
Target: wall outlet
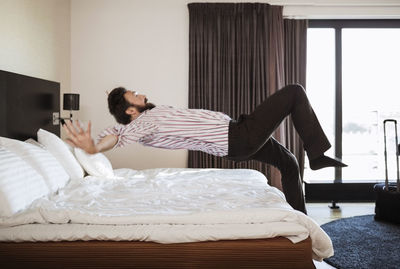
[56,118]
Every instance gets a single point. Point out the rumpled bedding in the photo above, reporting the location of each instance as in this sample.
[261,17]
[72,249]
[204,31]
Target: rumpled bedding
[166,205]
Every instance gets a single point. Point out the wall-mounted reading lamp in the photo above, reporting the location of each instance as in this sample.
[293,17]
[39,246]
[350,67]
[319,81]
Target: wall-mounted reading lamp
[70,102]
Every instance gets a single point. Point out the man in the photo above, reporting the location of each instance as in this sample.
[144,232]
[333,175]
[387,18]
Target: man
[248,138]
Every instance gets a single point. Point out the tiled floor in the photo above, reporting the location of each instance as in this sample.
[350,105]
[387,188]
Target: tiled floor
[321,213]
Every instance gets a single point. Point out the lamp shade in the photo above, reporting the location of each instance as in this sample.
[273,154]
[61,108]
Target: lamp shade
[71,101]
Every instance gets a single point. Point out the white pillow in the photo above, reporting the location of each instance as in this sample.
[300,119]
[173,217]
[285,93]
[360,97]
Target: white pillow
[34,142]
[20,184]
[95,164]
[59,150]
[41,160]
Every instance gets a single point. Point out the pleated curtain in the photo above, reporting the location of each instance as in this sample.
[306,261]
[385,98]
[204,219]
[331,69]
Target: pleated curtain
[237,59]
[295,38]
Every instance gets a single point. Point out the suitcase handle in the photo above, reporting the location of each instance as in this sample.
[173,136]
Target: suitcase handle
[384,130]
[393,120]
[397,155]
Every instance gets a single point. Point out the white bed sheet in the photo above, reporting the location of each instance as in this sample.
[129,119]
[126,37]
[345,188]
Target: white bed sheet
[166,205]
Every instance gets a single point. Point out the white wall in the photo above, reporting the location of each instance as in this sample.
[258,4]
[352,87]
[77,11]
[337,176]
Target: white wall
[35,39]
[143,45]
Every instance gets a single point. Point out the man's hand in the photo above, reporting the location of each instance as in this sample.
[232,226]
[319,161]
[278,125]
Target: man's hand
[79,138]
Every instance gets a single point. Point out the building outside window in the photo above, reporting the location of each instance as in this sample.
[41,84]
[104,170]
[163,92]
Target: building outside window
[353,69]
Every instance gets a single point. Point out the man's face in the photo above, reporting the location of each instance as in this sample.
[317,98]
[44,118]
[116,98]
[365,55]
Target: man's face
[135,99]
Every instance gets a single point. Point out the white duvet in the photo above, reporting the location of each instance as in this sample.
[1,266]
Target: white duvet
[166,206]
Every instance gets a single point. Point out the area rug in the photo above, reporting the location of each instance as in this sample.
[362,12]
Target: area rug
[361,242]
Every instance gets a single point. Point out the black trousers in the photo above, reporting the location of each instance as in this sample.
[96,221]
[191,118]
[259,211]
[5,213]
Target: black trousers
[250,138]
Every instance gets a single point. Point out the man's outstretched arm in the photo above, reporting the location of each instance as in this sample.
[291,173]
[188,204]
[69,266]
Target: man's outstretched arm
[79,138]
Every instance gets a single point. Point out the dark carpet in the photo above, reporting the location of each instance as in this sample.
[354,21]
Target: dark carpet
[363,243]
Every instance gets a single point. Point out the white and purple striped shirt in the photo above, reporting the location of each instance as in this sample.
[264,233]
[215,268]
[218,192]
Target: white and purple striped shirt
[175,128]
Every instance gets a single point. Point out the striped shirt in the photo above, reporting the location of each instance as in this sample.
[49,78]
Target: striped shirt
[175,128]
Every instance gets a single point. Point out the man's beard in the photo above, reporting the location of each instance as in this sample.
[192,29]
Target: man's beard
[147,106]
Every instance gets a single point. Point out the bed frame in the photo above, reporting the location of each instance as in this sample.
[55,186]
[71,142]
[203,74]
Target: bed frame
[276,252]
[34,100]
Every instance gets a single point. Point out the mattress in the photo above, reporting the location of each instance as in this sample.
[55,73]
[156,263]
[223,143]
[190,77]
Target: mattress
[166,205]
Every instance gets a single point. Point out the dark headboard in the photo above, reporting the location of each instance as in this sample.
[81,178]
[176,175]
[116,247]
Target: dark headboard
[27,104]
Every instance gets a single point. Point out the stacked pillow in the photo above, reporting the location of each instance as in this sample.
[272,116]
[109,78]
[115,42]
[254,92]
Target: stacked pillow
[94,164]
[41,160]
[60,151]
[30,170]
[20,184]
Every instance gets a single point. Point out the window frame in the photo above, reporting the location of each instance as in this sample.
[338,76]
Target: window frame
[337,190]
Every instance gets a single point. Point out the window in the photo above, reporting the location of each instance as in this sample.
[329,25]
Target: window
[321,90]
[352,70]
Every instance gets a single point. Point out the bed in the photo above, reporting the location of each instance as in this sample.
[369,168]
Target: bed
[70,209]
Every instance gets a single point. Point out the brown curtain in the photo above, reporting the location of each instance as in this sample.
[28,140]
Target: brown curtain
[236,60]
[295,37]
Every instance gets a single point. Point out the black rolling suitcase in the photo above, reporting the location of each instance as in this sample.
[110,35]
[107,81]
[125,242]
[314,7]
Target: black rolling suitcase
[387,206]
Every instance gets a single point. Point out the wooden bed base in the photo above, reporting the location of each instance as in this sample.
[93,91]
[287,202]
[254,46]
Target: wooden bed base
[276,252]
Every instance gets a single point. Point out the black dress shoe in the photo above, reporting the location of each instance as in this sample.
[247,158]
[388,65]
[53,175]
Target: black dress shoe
[325,161]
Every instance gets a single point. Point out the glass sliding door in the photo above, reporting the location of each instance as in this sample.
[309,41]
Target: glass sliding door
[371,93]
[321,90]
[352,82]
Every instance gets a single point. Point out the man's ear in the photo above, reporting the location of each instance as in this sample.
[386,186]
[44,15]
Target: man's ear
[132,111]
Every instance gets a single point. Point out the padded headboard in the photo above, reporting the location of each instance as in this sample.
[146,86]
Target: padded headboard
[27,104]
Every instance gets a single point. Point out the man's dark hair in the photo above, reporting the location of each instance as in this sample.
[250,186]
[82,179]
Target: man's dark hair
[118,105]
